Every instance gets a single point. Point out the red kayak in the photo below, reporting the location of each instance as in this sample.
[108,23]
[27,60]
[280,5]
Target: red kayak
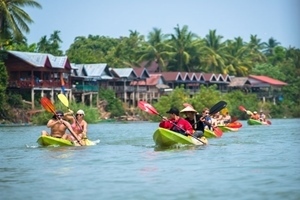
[235,124]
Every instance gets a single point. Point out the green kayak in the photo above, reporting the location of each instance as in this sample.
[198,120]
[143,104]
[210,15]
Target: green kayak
[165,137]
[256,122]
[52,141]
[227,129]
[209,134]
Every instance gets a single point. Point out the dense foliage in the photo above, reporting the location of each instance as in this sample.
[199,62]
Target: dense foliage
[114,105]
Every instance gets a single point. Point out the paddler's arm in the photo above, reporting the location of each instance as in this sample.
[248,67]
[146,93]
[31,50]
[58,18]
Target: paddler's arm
[68,125]
[52,122]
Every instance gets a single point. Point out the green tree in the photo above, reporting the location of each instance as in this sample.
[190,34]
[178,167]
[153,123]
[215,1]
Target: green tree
[213,55]
[255,47]
[14,20]
[93,49]
[155,49]
[238,61]
[51,45]
[270,46]
[183,45]
[115,105]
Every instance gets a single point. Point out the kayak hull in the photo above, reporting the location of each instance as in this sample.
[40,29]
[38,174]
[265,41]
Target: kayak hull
[165,137]
[52,141]
[44,140]
[209,134]
[234,125]
[227,129]
[256,122]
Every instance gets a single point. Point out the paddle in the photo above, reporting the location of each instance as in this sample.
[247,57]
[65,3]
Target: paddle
[244,110]
[65,101]
[250,113]
[213,110]
[217,107]
[47,104]
[151,110]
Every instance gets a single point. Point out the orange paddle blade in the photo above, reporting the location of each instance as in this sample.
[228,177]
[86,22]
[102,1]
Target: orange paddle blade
[242,108]
[47,104]
[147,107]
[218,131]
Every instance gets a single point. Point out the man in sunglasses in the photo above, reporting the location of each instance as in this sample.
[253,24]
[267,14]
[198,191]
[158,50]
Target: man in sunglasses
[58,127]
[206,119]
[176,123]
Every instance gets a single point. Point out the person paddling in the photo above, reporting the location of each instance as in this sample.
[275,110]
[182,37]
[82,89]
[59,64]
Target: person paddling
[254,116]
[262,116]
[176,123]
[195,120]
[78,124]
[58,127]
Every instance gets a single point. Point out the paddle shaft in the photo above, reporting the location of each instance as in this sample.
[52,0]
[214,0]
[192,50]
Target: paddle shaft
[50,107]
[152,109]
[65,101]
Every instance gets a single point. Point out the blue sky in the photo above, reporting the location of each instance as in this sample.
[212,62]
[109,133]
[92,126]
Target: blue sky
[114,18]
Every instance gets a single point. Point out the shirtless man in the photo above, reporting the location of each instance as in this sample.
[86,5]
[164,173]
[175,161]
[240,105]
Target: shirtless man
[59,126]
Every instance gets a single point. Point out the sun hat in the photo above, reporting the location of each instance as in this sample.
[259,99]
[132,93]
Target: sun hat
[80,112]
[188,109]
[173,110]
[255,112]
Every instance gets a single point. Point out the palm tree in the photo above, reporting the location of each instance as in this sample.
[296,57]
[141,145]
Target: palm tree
[155,49]
[55,41]
[238,61]
[270,46]
[213,55]
[43,46]
[14,20]
[256,46]
[183,42]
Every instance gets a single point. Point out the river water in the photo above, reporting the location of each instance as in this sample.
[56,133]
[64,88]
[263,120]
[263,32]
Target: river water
[257,162]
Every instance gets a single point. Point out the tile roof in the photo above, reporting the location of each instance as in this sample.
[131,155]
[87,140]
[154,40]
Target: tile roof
[154,80]
[172,76]
[141,72]
[209,77]
[266,79]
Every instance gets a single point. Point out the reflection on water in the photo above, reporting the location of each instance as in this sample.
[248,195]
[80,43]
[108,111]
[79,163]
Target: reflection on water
[179,147]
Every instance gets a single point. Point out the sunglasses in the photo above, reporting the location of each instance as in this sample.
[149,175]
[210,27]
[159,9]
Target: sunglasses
[59,115]
[79,114]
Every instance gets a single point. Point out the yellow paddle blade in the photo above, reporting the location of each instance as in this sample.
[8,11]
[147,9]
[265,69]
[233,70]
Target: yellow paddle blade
[224,111]
[63,99]
[249,112]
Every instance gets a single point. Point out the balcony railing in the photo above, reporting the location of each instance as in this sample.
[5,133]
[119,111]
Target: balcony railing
[36,84]
[86,88]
